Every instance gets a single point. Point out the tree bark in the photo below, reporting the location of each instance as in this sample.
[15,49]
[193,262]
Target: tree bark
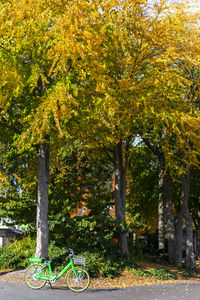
[178,239]
[120,195]
[170,215]
[161,228]
[197,226]
[190,256]
[42,204]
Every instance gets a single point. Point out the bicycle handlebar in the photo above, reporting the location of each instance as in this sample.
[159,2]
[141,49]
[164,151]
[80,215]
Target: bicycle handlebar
[70,251]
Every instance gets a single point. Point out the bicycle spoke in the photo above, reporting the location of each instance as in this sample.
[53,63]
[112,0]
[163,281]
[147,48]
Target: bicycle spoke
[79,283]
[30,276]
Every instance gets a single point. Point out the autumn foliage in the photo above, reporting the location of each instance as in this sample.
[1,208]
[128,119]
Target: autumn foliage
[100,73]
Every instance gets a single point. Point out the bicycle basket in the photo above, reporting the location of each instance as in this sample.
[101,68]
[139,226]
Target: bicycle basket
[78,260]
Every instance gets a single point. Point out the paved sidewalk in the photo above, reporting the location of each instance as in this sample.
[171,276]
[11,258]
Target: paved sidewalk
[175,291]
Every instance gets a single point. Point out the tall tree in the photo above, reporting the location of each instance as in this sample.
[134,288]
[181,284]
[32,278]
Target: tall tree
[119,69]
[25,41]
[102,66]
[42,206]
[161,215]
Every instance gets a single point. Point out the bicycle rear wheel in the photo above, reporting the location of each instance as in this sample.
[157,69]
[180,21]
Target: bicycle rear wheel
[30,279]
[80,282]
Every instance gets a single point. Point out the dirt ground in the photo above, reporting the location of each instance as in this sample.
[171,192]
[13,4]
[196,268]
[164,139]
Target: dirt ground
[126,279]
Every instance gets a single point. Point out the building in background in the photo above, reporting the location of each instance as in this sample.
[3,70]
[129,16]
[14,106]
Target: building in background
[8,233]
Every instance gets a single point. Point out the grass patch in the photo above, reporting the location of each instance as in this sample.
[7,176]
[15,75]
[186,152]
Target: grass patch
[185,272]
[160,274]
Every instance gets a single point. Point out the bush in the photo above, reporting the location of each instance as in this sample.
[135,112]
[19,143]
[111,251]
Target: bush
[107,263]
[15,255]
[98,263]
[58,255]
[104,265]
[10,259]
[103,262]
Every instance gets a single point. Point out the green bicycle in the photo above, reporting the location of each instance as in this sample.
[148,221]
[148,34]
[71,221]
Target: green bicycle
[40,272]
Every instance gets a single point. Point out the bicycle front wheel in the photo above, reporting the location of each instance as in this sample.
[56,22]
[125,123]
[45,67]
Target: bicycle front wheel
[78,282]
[30,279]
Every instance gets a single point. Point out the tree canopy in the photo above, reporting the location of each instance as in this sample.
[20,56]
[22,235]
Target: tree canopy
[97,74]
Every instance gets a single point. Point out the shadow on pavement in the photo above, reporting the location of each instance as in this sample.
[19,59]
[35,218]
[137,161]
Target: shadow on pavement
[64,288]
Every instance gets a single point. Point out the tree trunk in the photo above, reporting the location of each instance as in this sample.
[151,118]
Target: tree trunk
[170,216]
[120,195]
[197,226]
[161,228]
[42,205]
[179,238]
[190,256]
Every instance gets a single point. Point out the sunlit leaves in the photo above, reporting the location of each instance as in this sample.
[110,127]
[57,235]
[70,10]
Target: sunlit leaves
[107,67]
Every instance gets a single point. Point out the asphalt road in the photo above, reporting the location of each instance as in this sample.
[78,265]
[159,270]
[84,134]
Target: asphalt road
[177,291]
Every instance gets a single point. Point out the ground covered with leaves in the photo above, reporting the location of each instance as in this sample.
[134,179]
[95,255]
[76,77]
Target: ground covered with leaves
[106,267]
[144,274]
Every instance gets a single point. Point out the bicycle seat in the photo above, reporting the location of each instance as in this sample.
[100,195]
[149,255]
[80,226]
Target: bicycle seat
[46,259]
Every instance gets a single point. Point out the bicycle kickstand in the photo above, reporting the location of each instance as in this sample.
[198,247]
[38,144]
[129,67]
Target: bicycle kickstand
[50,285]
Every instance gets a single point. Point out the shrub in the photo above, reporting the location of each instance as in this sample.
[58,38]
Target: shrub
[104,264]
[58,255]
[15,255]
[104,261]
[107,263]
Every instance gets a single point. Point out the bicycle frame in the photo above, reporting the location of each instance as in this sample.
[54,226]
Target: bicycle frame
[52,276]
